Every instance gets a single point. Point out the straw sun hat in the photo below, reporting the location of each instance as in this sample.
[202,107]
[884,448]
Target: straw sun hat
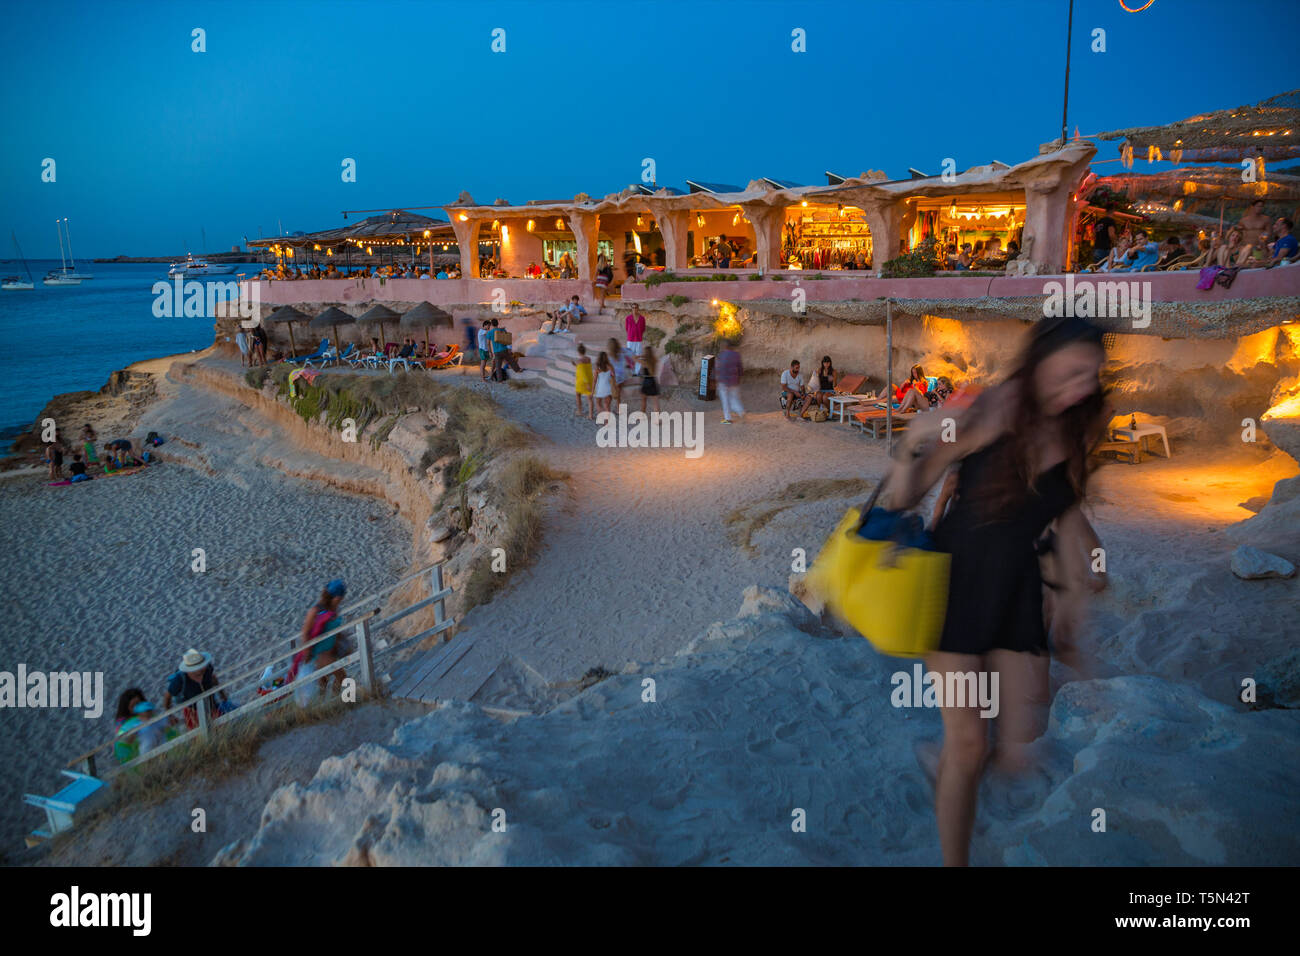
[194,661]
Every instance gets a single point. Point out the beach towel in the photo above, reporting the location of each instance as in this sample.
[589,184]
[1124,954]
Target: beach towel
[308,373]
[1206,281]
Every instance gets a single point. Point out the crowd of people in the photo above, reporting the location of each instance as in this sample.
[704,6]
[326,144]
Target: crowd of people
[321,642]
[918,392]
[86,460]
[392,271]
[1257,241]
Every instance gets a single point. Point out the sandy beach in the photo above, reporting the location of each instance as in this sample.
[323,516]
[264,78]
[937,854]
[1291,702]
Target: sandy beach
[98,578]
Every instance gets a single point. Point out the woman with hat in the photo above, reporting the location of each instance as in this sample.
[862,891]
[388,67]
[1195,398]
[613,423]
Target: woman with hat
[192,678]
[322,617]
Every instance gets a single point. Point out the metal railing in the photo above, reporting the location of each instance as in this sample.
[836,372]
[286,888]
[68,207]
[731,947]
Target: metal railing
[370,646]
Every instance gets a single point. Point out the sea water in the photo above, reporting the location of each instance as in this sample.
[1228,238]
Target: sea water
[68,338]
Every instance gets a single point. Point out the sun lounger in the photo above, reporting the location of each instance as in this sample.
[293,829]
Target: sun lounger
[873,420]
[312,357]
[453,356]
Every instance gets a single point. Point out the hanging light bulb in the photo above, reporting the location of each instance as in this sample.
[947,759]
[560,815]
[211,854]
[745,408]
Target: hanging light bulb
[463,217]
[530,225]
[638,219]
[699,220]
[559,224]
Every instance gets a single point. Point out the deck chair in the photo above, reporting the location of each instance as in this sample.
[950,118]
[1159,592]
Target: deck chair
[395,360]
[453,356]
[345,356]
[873,420]
[81,796]
[322,360]
[312,357]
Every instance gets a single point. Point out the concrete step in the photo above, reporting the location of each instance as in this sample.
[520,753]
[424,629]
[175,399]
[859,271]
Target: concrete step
[532,361]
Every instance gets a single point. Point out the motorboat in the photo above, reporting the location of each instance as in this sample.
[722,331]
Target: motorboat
[193,268]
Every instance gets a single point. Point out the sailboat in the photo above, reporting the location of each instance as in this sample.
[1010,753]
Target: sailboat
[64,274]
[74,274]
[16,283]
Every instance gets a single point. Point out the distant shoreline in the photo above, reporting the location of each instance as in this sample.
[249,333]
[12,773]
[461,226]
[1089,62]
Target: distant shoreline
[239,257]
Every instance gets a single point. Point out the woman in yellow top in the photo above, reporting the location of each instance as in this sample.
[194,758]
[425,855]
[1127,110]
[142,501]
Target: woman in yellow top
[582,381]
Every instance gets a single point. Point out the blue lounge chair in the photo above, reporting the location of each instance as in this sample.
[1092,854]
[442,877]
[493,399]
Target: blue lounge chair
[314,356]
[82,795]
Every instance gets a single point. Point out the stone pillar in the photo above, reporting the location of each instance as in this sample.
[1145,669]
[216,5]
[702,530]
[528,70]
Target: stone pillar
[586,233]
[885,220]
[768,221]
[674,226]
[1049,214]
[467,241]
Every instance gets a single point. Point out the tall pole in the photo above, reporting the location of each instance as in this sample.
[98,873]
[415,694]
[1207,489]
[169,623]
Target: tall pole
[1065,103]
[889,377]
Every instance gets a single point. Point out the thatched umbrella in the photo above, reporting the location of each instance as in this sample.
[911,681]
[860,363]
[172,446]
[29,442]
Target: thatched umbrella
[426,316]
[332,318]
[288,315]
[1269,129]
[378,315]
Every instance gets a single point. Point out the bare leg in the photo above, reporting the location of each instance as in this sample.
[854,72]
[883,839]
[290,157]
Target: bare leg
[961,762]
[1022,706]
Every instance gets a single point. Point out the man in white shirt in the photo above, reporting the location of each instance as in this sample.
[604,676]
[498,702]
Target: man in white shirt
[792,388]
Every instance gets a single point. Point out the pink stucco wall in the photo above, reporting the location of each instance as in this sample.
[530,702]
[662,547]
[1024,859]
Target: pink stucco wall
[436,291]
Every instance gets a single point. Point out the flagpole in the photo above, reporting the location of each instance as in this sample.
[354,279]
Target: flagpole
[1065,104]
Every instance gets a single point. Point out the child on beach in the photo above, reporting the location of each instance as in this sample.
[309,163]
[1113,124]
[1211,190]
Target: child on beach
[604,382]
[54,458]
[323,616]
[618,364]
[78,468]
[649,384]
[582,381]
[88,439]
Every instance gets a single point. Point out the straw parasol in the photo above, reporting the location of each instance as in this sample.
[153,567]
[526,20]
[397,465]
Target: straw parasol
[379,315]
[332,318]
[1270,129]
[426,316]
[287,315]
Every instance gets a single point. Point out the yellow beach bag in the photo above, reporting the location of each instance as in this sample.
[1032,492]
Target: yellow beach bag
[892,592]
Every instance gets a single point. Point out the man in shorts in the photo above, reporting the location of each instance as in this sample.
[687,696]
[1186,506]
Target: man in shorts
[635,326]
[484,348]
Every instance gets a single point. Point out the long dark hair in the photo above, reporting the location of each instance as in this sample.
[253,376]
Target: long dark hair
[124,702]
[1081,425]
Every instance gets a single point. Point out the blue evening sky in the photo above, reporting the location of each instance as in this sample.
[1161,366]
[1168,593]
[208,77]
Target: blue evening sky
[154,142]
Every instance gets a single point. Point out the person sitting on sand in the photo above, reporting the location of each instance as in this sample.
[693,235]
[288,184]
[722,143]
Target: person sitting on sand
[821,384]
[78,468]
[322,617]
[194,676]
[913,395]
[792,387]
[582,381]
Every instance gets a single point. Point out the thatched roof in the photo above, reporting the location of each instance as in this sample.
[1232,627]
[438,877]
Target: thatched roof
[1270,129]
[287,313]
[1196,183]
[376,314]
[397,225]
[427,316]
[329,318]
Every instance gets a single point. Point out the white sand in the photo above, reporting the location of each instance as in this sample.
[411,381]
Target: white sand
[98,577]
[765,717]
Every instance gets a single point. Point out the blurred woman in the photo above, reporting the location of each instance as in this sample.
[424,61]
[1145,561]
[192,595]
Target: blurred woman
[1021,452]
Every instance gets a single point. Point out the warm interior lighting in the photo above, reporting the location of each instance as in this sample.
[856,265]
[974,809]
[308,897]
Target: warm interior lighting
[727,325]
[464,218]
[804,203]
[496,224]
[699,220]
[559,224]
[505,234]
[426,233]
[530,225]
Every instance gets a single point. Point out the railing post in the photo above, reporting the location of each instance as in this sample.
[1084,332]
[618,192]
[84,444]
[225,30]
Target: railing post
[201,708]
[367,662]
[440,606]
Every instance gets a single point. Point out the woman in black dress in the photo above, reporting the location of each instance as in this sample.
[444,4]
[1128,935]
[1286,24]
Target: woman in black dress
[1022,455]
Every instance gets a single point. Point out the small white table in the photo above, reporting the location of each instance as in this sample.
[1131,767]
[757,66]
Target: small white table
[1144,430]
[844,402]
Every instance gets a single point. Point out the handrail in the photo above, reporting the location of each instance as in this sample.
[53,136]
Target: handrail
[365,628]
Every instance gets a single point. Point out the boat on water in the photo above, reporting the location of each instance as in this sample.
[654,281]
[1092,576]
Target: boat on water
[17,283]
[65,274]
[193,268]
